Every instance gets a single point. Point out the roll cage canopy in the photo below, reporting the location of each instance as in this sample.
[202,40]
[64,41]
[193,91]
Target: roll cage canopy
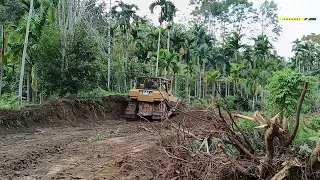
[153,83]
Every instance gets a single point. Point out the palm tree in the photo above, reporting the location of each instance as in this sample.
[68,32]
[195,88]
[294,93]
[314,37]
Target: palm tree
[203,54]
[23,61]
[11,12]
[190,69]
[212,77]
[124,14]
[176,69]
[263,52]
[167,60]
[236,75]
[167,12]
[177,38]
[234,44]
[262,47]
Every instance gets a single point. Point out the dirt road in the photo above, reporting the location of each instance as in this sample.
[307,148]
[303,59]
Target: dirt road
[67,152]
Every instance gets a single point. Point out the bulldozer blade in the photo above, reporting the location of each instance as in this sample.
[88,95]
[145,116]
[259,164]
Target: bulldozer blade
[131,111]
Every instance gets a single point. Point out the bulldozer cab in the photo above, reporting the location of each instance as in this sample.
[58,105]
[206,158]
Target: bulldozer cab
[153,83]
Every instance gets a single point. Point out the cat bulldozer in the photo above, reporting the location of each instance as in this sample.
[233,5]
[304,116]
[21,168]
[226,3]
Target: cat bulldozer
[151,98]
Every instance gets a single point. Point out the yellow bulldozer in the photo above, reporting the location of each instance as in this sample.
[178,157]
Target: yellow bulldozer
[151,97]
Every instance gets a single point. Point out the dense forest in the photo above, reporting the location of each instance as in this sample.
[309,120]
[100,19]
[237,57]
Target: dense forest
[57,48]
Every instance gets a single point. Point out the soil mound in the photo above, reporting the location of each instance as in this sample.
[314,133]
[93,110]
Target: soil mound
[59,112]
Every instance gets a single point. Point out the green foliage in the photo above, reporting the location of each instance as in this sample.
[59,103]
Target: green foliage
[96,138]
[200,103]
[308,134]
[246,125]
[285,89]
[229,102]
[214,146]
[255,136]
[9,101]
[83,69]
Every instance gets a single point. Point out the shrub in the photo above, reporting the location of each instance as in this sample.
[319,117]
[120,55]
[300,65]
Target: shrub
[9,101]
[285,89]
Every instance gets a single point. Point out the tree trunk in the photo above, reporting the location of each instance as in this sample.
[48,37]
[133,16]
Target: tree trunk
[23,61]
[2,59]
[175,83]
[253,103]
[202,77]
[33,96]
[168,41]
[36,96]
[196,88]
[28,88]
[63,34]
[158,52]
[123,76]
[226,89]
[220,93]
[109,50]
[199,76]
[126,62]
[1,77]
[214,89]
[187,88]
[229,88]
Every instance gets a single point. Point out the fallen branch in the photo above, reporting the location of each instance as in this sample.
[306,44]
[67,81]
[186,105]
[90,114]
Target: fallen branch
[146,129]
[187,133]
[244,117]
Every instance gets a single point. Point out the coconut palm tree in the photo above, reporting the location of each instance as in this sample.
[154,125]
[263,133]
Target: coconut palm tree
[167,12]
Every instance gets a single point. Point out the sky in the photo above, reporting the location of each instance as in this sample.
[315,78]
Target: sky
[286,8]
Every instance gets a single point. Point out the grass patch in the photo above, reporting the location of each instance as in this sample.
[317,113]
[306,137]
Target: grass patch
[96,138]
[308,133]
